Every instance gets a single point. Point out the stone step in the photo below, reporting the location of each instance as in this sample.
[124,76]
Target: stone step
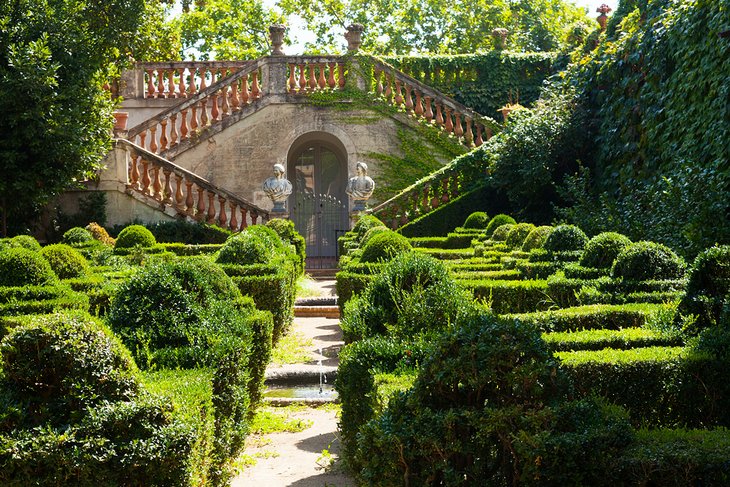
[317,311]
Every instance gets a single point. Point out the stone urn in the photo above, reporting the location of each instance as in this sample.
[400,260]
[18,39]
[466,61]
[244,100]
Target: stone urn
[120,121]
[276,33]
[603,18]
[278,189]
[354,36]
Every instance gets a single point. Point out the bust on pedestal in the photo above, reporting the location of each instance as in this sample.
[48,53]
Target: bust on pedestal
[360,187]
[278,188]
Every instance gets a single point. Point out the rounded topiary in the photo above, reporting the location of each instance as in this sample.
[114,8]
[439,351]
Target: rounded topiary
[708,289]
[56,366]
[76,235]
[384,246]
[647,261]
[24,242]
[478,219]
[287,232]
[602,250]
[536,238]
[501,232]
[65,261]
[267,235]
[244,249]
[133,236]
[517,234]
[497,222]
[565,238]
[364,224]
[373,231]
[23,267]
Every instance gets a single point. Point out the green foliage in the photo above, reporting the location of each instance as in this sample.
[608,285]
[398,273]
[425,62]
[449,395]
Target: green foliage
[565,238]
[58,366]
[286,231]
[385,246]
[99,233]
[644,261]
[497,221]
[602,250]
[599,339]
[244,249]
[23,242]
[536,238]
[365,223]
[500,233]
[65,261]
[517,235]
[371,233]
[185,232]
[57,120]
[413,295]
[594,317]
[23,267]
[478,219]
[183,314]
[349,284]
[134,236]
[707,291]
[76,235]
[510,296]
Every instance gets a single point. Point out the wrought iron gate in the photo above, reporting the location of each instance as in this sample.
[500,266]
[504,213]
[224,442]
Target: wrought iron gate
[321,219]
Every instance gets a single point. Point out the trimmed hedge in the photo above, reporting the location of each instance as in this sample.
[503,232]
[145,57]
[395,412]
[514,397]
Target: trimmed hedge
[23,267]
[478,220]
[500,233]
[510,296]
[76,235]
[65,261]
[644,261]
[497,221]
[349,284]
[134,236]
[428,242]
[602,250]
[384,246]
[517,235]
[565,238]
[598,339]
[536,238]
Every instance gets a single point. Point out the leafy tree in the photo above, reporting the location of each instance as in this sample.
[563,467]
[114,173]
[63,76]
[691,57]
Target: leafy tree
[225,29]
[438,26]
[56,118]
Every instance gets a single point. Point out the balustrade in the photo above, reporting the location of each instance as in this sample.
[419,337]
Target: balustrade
[309,74]
[188,194]
[226,95]
[184,79]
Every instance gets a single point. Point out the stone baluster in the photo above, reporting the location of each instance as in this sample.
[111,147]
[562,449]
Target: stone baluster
[398,96]
[163,135]
[171,84]
[214,113]
[156,183]
[200,215]
[193,86]
[167,191]
[439,115]
[292,80]
[233,225]
[448,123]
[222,217]
[435,199]
[445,190]
[341,75]
[179,197]
[458,129]
[425,202]
[211,208]
[254,216]
[184,124]
[189,198]
[146,177]
[150,84]
[204,112]
[321,80]
[134,171]
[235,102]
[302,80]
[142,137]
[312,79]
[454,185]
[468,135]
[331,83]
[160,84]
[418,109]
[388,88]
[409,99]
[194,118]
[478,139]
[245,95]
[255,90]
[203,78]
[153,139]
[173,129]
[182,90]
[244,222]
[225,107]
[427,112]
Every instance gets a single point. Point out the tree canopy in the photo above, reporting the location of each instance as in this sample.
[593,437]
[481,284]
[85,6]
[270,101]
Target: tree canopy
[54,58]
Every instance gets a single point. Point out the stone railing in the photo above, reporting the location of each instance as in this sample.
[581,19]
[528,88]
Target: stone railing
[426,103]
[421,198]
[306,74]
[181,192]
[208,106]
[177,79]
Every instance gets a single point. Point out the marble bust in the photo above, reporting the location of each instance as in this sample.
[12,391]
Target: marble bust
[360,187]
[278,188]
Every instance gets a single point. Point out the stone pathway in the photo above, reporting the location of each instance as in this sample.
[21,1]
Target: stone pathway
[308,458]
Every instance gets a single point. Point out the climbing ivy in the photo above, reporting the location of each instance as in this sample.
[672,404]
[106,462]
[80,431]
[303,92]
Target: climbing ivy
[483,82]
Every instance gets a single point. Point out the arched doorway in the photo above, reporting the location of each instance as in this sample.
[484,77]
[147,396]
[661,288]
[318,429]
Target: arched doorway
[318,204]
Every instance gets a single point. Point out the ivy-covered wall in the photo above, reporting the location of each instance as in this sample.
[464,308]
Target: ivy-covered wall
[484,82]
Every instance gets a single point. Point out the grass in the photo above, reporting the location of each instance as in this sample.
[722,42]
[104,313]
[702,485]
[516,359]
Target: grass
[291,349]
[278,420]
[306,287]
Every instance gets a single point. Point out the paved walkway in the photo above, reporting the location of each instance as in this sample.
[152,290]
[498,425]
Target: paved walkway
[308,458]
